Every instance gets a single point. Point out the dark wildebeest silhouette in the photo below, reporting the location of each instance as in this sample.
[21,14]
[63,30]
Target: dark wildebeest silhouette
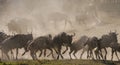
[39,44]
[15,42]
[108,40]
[86,43]
[115,48]
[4,36]
[91,44]
[78,45]
[60,40]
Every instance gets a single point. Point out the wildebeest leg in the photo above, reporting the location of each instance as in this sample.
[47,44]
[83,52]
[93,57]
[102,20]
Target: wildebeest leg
[40,53]
[75,53]
[44,52]
[96,54]
[82,54]
[16,53]
[71,50]
[117,55]
[58,55]
[35,55]
[112,54]
[92,54]
[24,51]
[100,54]
[6,54]
[50,53]
[12,55]
[87,54]
[2,54]
[54,50]
[65,50]
[32,54]
[59,52]
[105,53]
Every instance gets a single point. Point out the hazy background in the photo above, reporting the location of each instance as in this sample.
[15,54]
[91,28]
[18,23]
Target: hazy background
[41,17]
[84,17]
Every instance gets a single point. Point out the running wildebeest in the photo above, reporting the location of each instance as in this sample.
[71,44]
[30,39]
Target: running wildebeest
[15,42]
[60,40]
[108,40]
[40,43]
[77,45]
[115,48]
[4,36]
[91,43]
[85,43]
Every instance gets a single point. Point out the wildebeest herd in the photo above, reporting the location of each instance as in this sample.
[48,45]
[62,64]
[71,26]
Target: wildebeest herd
[92,45]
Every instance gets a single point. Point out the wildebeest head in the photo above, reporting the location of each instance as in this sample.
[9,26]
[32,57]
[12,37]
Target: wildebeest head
[63,34]
[96,41]
[63,39]
[113,36]
[67,40]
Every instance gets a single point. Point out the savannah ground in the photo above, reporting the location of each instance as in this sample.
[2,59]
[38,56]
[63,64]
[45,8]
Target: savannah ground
[60,62]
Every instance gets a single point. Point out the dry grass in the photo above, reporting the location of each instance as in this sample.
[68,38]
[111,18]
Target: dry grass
[60,62]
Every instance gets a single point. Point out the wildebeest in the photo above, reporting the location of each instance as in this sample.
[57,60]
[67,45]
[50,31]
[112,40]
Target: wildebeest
[3,36]
[91,43]
[56,43]
[106,41]
[78,45]
[115,48]
[86,43]
[60,40]
[40,43]
[15,42]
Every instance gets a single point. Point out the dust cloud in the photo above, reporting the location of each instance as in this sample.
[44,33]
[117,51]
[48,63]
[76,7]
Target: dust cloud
[84,17]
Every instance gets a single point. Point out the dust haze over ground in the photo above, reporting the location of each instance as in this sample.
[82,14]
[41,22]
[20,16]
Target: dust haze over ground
[41,17]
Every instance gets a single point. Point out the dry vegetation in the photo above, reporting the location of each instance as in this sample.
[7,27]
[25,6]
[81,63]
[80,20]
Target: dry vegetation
[60,62]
